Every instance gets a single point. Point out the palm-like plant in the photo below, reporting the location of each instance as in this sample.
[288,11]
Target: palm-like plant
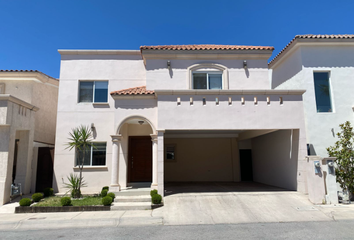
[74,185]
[80,139]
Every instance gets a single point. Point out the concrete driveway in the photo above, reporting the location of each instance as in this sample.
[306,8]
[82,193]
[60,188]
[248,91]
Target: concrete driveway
[214,203]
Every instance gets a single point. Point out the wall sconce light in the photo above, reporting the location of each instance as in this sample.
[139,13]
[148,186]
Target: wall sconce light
[141,122]
[244,64]
[92,127]
[169,65]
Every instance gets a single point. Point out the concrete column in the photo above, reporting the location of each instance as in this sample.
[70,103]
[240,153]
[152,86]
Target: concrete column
[160,161]
[154,161]
[116,139]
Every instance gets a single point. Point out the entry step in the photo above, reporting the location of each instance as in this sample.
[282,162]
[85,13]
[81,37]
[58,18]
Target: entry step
[141,198]
[116,206]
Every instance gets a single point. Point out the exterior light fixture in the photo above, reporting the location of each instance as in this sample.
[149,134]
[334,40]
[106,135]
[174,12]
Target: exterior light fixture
[244,64]
[141,122]
[169,65]
[92,127]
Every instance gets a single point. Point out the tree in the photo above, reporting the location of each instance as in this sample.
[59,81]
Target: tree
[80,139]
[344,153]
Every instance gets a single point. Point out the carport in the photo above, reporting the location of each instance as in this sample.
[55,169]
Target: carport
[230,160]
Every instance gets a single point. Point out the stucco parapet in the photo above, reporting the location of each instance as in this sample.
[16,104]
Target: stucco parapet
[230,92]
[97,52]
[10,98]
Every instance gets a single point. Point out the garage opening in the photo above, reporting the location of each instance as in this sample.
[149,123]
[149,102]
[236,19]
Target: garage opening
[238,160]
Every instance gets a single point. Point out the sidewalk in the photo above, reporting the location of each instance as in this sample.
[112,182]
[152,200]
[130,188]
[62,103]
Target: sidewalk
[188,209]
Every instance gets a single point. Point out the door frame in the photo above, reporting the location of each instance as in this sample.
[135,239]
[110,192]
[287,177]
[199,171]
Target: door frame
[130,153]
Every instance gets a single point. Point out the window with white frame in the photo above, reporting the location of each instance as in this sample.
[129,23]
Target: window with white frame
[207,80]
[94,155]
[93,91]
[322,91]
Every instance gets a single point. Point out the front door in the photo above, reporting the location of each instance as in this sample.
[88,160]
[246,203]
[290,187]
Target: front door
[140,159]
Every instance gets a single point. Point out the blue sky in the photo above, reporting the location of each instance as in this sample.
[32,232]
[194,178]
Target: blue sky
[31,32]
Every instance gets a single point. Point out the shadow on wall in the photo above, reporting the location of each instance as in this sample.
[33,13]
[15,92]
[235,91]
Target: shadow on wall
[135,103]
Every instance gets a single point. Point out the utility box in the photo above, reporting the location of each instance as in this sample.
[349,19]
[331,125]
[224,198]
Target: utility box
[15,190]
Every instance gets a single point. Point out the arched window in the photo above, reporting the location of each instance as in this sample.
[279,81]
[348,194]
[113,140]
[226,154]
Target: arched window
[208,76]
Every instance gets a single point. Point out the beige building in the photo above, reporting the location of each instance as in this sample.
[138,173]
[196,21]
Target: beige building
[28,106]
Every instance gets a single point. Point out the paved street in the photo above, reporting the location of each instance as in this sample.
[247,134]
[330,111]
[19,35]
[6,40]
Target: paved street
[294,230]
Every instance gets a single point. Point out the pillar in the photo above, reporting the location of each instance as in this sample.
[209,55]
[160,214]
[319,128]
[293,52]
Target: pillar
[160,162]
[154,161]
[116,141]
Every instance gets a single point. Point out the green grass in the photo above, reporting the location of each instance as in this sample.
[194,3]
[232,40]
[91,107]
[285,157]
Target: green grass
[55,202]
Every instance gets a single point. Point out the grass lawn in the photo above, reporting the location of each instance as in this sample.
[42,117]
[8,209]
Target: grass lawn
[55,202]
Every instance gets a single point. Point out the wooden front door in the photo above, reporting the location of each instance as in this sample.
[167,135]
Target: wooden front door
[140,159]
[44,168]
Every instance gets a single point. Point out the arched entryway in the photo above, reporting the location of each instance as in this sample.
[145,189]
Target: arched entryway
[134,152]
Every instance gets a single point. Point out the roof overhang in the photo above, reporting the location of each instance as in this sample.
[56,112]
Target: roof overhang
[29,76]
[10,98]
[298,42]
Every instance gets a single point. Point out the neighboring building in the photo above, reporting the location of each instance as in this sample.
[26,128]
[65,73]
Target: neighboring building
[187,113]
[28,106]
[324,66]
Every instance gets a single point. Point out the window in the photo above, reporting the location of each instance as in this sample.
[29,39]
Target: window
[207,80]
[171,152]
[94,156]
[322,92]
[93,91]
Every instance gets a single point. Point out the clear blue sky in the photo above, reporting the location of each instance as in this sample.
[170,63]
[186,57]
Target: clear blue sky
[32,31]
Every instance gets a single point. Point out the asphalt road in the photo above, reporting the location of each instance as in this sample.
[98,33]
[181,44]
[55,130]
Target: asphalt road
[295,230]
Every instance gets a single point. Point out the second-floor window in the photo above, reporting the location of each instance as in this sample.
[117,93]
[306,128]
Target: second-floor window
[93,91]
[322,92]
[207,80]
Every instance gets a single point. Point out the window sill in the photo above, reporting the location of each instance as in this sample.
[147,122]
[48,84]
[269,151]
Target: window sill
[101,103]
[92,168]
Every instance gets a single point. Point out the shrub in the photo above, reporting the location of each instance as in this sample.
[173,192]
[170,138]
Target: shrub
[104,193]
[25,202]
[48,192]
[112,195]
[156,199]
[37,197]
[105,188]
[65,201]
[153,192]
[76,193]
[74,185]
[107,200]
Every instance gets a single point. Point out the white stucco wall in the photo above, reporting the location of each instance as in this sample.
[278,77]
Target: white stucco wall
[275,159]
[159,77]
[121,72]
[203,159]
[296,72]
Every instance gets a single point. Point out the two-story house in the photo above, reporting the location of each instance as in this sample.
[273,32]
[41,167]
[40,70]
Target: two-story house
[185,113]
[28,106]
[324,66]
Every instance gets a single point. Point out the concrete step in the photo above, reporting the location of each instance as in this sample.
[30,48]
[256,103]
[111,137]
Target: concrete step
[141,198]
[116,206]
[133,193]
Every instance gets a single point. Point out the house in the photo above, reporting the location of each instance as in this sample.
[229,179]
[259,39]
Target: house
[179,113]
[28,106]
[324,66]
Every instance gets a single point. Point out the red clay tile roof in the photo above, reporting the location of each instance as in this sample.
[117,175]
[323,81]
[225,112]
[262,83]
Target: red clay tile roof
[311,36]
[35,71]
[134,91]
[205,47]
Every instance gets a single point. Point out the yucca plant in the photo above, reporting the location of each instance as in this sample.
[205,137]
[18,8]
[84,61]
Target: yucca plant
[74,185]
[81,140]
